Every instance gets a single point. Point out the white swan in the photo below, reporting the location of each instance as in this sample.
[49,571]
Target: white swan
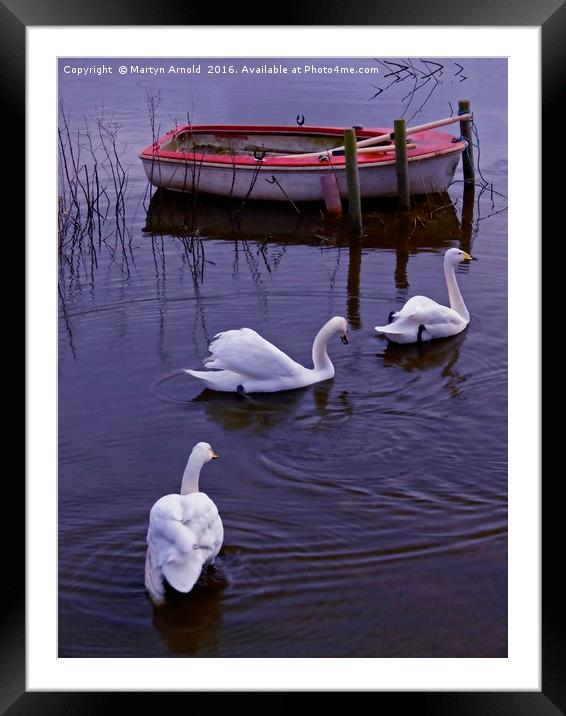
[242,361]
[185,532]
[422,319]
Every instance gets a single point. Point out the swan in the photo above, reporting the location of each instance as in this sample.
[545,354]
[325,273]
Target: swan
[185,532]
[244,362]
[422,319]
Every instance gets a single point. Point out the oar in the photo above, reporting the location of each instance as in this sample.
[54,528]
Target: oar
[413,130]
[371,150]
[387,136]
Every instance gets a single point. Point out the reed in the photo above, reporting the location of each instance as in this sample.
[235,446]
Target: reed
[92,181]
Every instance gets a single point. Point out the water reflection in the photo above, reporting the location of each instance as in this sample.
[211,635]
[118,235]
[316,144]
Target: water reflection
[354,267]
[467,217]
[402,262]
[432,222]
[263,411]
[189,623]
[179,228]
[443,353]
[176,214]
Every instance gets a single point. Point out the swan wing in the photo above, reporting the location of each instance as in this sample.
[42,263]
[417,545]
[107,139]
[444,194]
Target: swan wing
[185,533]
[439,321]
[245,352]
[416,303]
[434,314]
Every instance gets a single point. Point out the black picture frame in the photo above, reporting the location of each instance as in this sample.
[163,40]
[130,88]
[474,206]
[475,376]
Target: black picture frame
[15,16]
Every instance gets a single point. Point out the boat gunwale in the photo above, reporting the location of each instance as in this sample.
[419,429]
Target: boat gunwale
[326,166]
[444,141]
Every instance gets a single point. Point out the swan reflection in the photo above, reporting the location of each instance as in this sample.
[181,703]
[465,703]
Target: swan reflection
[263,411]
[190,623]
[443,353]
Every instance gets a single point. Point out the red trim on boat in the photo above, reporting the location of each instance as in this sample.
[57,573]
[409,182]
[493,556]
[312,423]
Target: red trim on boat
[428,143]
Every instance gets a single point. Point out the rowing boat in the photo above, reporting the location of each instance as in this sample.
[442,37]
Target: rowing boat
[291,162]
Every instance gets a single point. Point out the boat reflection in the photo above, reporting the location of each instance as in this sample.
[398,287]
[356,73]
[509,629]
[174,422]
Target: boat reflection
[177,214]
[190,623]
[432,223]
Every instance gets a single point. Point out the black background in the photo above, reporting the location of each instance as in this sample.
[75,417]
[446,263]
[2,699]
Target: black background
[15,15]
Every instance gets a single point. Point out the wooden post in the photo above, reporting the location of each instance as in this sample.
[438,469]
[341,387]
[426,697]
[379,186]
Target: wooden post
[464,106]
[353,179]
[402,164]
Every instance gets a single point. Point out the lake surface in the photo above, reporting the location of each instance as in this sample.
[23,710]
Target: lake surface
[364,516]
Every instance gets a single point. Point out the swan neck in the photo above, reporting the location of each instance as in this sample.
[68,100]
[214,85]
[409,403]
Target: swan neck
[456,301]
[191,475]
[320,358]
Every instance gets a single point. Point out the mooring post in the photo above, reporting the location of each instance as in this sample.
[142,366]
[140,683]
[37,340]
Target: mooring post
[402,164]
[353,179]
[464,107]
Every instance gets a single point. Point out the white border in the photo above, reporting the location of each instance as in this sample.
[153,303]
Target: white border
[521,670]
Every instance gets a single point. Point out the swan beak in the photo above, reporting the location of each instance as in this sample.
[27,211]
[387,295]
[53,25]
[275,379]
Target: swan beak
[215,456]
[344,340]
[468,257]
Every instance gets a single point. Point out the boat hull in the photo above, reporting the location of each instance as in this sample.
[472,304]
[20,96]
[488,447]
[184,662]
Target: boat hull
[430,172]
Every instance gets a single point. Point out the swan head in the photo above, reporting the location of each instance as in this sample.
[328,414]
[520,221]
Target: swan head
[340,326]
[204,453]
[456,256]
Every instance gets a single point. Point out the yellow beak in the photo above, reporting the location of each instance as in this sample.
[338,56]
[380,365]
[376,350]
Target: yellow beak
[215,456]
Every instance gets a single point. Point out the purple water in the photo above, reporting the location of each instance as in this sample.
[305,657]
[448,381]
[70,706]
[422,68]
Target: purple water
[364,516]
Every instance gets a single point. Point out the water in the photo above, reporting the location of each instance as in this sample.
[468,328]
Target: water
[365,516]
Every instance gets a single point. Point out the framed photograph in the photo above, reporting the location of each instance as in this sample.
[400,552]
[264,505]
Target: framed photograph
[252,198]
